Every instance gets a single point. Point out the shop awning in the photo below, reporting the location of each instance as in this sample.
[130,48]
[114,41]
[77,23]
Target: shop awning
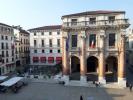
[43,59]
[35,58]
[50,59]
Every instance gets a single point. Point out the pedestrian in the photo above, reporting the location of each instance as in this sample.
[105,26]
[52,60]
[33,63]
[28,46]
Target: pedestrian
[130,87]
[96,84]
[81,98]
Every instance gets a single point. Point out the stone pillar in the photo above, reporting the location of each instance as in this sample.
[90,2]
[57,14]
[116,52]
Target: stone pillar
[121,67]
[65,60]
[83,78]
[101,76]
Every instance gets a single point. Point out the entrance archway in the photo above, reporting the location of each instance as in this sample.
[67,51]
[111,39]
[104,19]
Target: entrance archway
[75,68]
[92,68]
[111,69]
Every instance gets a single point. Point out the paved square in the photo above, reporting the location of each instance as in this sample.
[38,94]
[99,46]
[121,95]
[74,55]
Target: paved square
[45,91]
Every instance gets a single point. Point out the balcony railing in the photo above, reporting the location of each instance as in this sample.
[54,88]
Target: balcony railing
[47,46]
[96,23]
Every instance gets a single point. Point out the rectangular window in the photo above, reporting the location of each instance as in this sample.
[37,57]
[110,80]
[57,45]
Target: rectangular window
[42,33]
[34,33]
[42,43]
[50,59]
[92,20]
[111,19]
[58,42]
[74,22]
[35,43]
[74,40]
[35,59]
[51,51]
[3,55]
[43,51]
[58,33]
[6,37]
[2,45]
[92,40]
[6,45]
[112,40]
[2,37]
[7,55]
[35,51]
[59,51]
[50,42]
[43,59]
[50,33]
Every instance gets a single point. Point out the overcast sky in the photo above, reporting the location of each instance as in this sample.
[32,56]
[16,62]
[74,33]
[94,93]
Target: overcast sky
[36,13]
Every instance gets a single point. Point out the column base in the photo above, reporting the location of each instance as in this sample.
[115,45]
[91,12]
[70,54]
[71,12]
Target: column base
[83,80]
[102,80]
[122,82]
[65,78]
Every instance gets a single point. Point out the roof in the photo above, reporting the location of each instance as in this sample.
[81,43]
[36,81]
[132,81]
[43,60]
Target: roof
[23,31]
[93,13]
[52,27]
[5,24]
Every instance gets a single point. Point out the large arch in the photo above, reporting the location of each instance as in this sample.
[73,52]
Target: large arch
[111,68]
[92,68]
[75,68]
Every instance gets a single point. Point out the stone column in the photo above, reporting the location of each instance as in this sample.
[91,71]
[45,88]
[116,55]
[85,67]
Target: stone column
[65,60]
[121,67]
[102,60]
[83,78]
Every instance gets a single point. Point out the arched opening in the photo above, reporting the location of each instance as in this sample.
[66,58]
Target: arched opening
[75,68]
[92,68]
[111,69]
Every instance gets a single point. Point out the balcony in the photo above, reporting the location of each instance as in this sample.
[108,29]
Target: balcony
[100,23]
[45,46]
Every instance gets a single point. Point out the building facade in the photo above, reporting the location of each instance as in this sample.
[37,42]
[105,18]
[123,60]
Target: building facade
[130,47]
[7,49]
[93,44]
[45,45]
[22,44]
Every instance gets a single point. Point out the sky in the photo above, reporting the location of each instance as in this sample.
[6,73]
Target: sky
[36,13]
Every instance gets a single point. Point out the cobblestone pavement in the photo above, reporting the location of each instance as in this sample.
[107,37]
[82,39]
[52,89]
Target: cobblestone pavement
[50,91]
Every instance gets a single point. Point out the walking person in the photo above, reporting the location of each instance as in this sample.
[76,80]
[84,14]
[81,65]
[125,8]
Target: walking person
[81,98]
[130,87]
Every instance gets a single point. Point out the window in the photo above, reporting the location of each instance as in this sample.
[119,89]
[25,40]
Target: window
[74,40]
[35,43]
[59,51]
[111,19]
[58,33]
[50,42]
[92,40]
[43,59]
[58,42]
[12,59]
[43,51]
[2,37]
[6,45]
[50,33]
[92,20]
[50,51]
[7,60]
[3,54]
[74,22]
[6,37]
[42,33]
[12,52]
[35,51]
[7,54]
[112,40]
[2,45]
[34,33]
[50,59]
[42,43]
[35,59]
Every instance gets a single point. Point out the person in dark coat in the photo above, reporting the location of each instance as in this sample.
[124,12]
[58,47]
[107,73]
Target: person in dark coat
[81,98]
[130,87]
